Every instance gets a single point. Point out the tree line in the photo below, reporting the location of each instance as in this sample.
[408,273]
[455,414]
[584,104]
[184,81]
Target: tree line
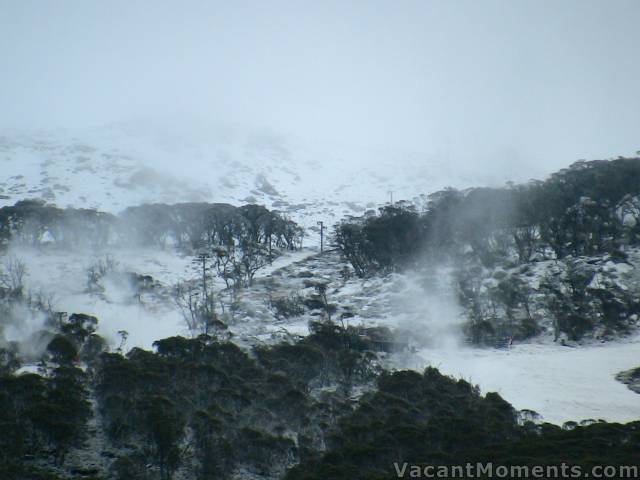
[206,409]
[590,209]
[185,225]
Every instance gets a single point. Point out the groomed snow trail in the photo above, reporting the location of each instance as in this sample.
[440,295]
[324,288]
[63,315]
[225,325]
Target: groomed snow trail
[558,382]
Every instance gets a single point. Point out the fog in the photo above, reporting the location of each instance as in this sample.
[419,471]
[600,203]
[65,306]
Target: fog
[536,82]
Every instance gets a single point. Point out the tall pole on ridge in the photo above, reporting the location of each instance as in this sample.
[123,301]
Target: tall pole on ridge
[321,236]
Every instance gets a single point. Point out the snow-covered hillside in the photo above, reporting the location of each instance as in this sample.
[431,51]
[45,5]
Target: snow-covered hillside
[558,382]
[120,166]
[115,167]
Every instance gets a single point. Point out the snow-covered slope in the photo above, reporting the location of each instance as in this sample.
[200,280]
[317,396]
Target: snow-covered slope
[120,166]
[114,167]
[558,382]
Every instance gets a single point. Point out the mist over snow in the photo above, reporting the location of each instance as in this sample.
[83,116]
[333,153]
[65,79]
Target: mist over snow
[318,111]
[62,277]
[427,307]
[497,84]
[128,163]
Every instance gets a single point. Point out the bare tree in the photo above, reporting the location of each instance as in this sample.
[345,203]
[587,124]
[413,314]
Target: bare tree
[12,276]
[526,238]
[97,270]
[197,301]
[253,257]
[184,297]
[238,266]
[321,289]
[224,263]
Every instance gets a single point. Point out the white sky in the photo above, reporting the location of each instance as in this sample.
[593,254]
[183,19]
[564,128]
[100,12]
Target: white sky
[538,81]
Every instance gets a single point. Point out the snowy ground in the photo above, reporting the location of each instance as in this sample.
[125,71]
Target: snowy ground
[560,383]
[120,166]
[62,276]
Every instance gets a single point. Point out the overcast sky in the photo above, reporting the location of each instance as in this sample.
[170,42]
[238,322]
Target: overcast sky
[547,81]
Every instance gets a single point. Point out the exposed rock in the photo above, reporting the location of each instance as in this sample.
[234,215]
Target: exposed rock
[631,378]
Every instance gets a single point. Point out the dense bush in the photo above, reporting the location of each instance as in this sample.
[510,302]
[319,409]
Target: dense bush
[242,410]
[577,211]
[431,419]
[590,209]
[211,410]
[384,242]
